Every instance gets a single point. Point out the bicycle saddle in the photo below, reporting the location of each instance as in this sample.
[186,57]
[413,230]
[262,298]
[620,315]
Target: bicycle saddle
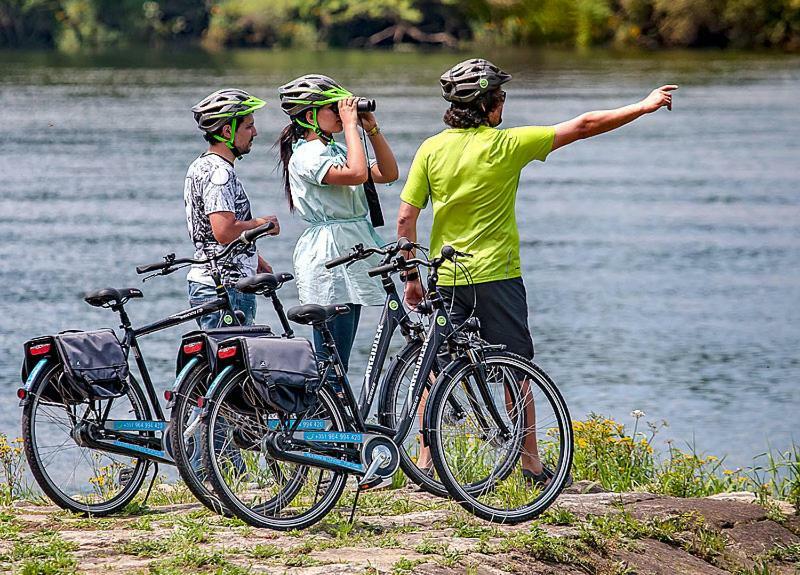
[316,314]
[111,296]
[262,282]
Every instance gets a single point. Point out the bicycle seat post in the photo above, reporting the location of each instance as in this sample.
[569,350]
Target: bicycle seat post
[330,347]
[287,328]
[125,321]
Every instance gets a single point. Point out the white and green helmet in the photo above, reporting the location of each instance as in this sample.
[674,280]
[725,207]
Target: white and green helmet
[310,92]
[471,78]
[223,107]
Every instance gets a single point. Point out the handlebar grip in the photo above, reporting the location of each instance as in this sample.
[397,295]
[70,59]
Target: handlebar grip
[380,270]
[252,235]
[338,261]
[404,244]
[152,267]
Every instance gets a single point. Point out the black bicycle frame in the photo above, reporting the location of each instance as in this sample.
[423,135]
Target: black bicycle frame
[131,342]
[392,317]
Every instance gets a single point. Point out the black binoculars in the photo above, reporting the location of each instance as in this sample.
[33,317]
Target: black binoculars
[365,105]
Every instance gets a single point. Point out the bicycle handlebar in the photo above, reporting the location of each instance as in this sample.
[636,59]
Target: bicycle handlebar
[169,264]
[359,252]
[156,267]
[384,269]
[250,236]
[400,263]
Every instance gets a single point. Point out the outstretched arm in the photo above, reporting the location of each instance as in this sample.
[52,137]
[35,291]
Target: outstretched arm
[601,121]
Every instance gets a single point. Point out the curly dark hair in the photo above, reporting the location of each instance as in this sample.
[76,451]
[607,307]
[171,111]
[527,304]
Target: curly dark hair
[472,114]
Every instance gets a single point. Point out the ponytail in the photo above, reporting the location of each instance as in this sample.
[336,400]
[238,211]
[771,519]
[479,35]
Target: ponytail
[285,143]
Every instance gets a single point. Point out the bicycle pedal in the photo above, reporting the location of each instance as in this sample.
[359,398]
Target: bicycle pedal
[125,475]
[375,483]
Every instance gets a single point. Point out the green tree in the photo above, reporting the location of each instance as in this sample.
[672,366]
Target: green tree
[27,22]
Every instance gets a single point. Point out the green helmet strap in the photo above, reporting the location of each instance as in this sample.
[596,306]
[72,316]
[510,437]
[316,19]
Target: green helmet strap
[313,126]
[229,142]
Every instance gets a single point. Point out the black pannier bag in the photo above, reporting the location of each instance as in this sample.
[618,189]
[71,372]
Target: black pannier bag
[283,372]
[95,366]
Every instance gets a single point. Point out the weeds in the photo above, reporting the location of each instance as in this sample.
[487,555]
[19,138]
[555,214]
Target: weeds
[544,547]
[46,554]
[12,470]
[405,566]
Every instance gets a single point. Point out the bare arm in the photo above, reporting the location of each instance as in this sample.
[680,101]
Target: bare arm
[601,121]
[227,228]
[354,171]
[385,170]
[407,227]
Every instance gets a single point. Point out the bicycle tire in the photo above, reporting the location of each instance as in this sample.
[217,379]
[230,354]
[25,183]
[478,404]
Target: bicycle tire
[225,416]
[553,434]
[187,451]
[39,459]
[390,407]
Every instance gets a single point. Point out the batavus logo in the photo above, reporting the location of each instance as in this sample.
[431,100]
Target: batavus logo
[413,383]
[372,353]
[189,314]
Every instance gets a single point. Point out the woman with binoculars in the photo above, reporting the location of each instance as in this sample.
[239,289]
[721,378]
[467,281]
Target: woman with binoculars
[324,182]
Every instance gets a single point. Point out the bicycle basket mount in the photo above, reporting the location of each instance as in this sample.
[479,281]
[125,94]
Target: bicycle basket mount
[95,366]
[283,372]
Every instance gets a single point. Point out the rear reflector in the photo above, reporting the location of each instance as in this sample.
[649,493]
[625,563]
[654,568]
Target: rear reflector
[168,395]
[201,402]
[40,349]
[22,393]
[190,348]
[226,352]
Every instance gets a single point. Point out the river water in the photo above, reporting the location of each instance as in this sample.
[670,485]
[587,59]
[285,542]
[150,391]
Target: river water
[662,261]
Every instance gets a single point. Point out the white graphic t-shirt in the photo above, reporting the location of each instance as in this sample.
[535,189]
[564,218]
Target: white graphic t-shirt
[211,186]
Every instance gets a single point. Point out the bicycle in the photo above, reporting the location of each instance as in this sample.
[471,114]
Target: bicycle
[394,385]
[274,488]
[88,425]
[488,411]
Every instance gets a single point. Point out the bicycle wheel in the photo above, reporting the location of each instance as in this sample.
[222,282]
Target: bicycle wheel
[253,485]
[392,408]
[185,435]
[75,477]
[481,467]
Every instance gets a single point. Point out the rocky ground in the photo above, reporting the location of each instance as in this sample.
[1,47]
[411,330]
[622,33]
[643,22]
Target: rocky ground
[400,532]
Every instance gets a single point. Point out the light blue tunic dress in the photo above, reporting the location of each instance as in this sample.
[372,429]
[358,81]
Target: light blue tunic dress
[338,220]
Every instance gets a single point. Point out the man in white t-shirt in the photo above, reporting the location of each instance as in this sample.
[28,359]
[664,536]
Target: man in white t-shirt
[217,206]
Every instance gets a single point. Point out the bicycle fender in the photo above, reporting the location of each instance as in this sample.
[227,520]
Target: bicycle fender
[187,367]
[31,380]
[219,378]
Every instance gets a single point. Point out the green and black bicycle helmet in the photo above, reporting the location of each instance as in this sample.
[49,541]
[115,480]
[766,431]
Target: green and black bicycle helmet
[310,92]
[471,78]
[223,107]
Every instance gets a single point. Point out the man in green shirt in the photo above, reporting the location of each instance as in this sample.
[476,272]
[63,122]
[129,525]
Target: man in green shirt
[470,174]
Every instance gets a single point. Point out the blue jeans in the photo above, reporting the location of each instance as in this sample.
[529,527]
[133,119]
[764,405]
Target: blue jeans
[201,293]
[344,329]
[244,302]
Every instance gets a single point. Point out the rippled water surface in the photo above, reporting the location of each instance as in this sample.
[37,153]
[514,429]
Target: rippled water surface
[662,261]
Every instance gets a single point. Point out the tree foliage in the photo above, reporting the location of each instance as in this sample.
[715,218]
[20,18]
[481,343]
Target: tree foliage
[82,24]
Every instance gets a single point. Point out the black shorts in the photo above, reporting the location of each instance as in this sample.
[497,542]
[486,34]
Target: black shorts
[502,308]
